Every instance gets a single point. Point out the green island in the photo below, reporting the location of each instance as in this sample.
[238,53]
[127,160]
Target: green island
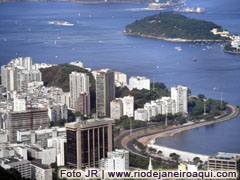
[175,27]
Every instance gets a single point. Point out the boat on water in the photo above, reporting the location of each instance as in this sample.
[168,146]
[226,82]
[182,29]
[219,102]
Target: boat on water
[178,48]
[62,23]
[189,10]
[155,6]
[194,59]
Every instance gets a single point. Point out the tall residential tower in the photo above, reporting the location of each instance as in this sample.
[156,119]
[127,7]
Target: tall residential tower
[180,95]
[79,83]
[105,92]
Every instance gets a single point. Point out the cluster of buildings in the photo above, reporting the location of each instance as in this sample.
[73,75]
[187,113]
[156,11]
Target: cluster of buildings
[177,103]
[30,145]
[222,33]
[220,162]
[122,107]
[235,39]
[236,42]
[19,74]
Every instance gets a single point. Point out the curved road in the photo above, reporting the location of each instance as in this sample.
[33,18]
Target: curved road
[125,140]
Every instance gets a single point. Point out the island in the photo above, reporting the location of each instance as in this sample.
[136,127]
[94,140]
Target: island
[175,27]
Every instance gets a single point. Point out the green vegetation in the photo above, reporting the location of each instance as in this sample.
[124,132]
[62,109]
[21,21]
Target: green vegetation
[10,174]
[170,25]
[138,161]
[213,107]
[197,160]
[229,48]
[140,146]
[56,171]
[59,76]
[152,150]
[170,117]
[174,157]
[143,96]
[125,123]
[142,162]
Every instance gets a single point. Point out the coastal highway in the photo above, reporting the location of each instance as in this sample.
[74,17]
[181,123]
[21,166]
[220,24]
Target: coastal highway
[124,140]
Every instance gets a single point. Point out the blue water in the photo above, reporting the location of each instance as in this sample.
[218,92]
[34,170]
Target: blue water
[97,39]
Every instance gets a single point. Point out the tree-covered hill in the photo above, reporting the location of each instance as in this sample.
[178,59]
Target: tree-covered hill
[167,25]
[59,76]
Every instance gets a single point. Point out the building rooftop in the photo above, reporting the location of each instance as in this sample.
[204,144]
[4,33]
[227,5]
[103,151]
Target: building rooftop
[103,71]
[88,122]
[13,161]
[227,156]
[139,77]
[37,162]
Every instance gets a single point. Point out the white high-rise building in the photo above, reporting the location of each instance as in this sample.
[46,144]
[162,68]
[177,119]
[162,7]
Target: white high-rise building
[18,73]
[138,82]
[58,144]
[46,155]
[117,160]
[116,107]
[148,108]
[8,74]
[79,83]
[168,105]
[128,106]
[151,109]
[57,112]
[23,62]
[141,114]
[120,79]
[40,171]
[65,99]
[180,95]
[20,104]
[22,166]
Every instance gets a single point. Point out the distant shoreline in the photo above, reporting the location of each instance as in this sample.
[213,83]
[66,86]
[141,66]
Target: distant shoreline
[232,52]
[174,39]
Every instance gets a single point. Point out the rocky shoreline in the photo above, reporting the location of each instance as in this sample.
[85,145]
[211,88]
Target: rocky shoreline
[174,39]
